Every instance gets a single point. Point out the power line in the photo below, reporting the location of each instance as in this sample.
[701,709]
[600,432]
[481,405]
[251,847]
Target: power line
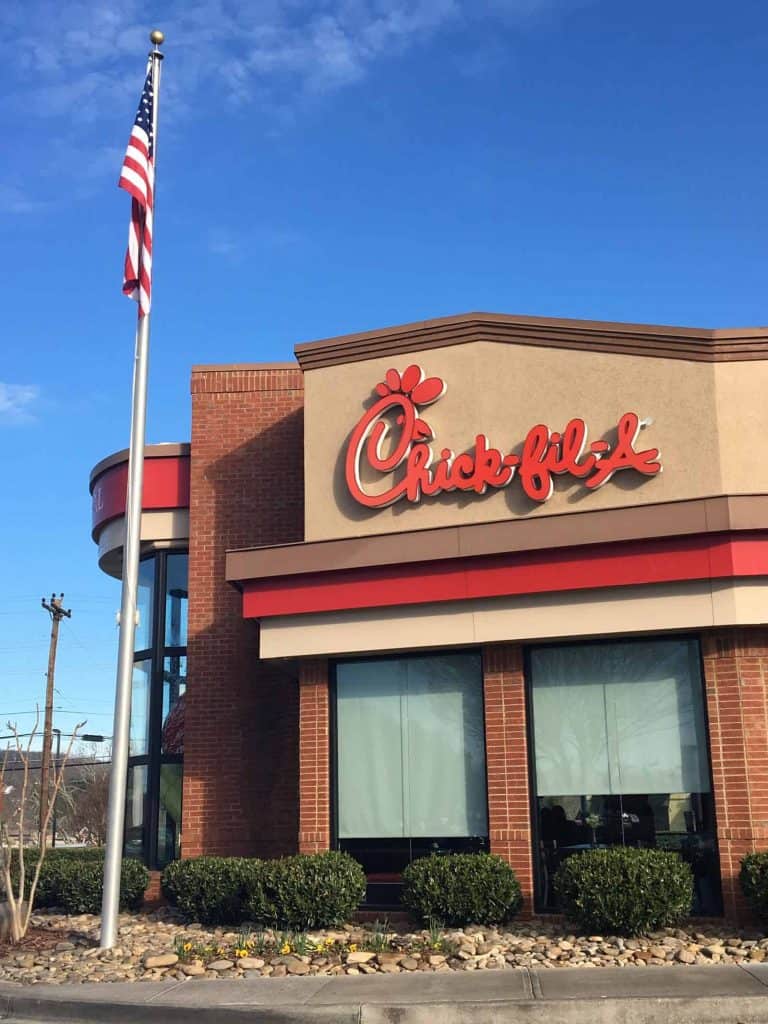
[69,764]
[61,710]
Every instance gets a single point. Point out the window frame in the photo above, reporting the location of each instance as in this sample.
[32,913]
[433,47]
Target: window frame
[483,842]
[156,655]
[531,741]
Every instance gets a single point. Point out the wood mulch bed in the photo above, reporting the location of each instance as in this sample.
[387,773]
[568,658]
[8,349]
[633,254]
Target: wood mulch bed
[36,940]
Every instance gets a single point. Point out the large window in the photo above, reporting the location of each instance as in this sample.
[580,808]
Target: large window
[153,808]
[410,758]
[620,755]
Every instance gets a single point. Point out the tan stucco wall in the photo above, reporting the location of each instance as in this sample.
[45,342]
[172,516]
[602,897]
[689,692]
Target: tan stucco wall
[585,613]
[742,415]
[703,417]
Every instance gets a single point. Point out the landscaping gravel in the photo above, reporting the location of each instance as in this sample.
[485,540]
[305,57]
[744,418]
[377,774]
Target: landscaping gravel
[160,945]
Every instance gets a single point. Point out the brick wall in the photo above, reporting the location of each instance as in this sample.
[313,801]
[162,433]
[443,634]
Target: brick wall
[256,773]
[314,757]
[506,745]
[241,729]
[736,683]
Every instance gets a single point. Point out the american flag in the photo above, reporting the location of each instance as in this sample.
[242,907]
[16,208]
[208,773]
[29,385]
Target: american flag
[137,177]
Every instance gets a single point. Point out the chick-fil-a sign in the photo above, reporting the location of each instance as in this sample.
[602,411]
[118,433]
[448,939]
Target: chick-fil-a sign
[393,434]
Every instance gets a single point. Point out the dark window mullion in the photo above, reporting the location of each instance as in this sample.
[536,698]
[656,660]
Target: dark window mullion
[156,708]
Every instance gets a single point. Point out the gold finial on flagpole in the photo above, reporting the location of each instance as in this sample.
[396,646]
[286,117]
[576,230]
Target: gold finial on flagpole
[156,37]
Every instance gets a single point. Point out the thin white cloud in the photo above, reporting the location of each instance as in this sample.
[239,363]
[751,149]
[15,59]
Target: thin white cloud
[82,55]
[16,200]
[225,244]
[81,64]
[235,247]
[17,402]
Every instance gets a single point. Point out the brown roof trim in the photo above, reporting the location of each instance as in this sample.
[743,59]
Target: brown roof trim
[668,519]
[234,367]
[691,343]
[164,450]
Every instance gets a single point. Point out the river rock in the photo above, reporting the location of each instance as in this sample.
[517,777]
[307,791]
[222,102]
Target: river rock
[359,957]
[152,960]
[192,970]
[250,963]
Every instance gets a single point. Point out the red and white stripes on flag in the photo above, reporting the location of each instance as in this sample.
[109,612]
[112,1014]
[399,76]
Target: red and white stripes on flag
[137,177]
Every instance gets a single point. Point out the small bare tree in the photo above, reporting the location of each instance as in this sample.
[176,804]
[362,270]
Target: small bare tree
[19,908]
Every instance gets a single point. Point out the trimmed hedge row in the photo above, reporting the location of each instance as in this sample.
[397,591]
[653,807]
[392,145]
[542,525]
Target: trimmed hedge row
[623,890]
[305,891]
[73,880]
[324,889]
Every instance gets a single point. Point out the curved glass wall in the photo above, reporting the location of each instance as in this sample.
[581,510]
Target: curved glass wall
[156,754]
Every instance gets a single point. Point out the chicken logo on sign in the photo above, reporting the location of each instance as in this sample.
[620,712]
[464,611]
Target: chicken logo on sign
[394,433]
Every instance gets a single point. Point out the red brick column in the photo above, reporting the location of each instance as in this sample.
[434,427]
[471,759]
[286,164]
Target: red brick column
[241,717]
[736,683]
[314,757]
[506,747]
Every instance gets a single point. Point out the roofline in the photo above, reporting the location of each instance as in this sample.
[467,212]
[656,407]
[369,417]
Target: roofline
[163,450]
[691,343]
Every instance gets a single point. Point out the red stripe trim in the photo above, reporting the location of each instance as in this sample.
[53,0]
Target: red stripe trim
[714,556]
[166,486]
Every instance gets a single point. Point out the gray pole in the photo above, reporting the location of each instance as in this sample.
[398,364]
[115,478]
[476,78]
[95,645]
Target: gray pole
[55,771]
[120,743]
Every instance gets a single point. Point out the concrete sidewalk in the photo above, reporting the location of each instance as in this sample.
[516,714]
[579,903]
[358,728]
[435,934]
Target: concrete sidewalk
[686,995]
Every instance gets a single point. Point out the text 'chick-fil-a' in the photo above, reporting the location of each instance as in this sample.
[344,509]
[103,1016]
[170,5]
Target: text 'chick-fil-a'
[391,434]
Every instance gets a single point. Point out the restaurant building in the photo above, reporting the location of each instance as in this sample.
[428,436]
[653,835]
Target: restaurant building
[478,583]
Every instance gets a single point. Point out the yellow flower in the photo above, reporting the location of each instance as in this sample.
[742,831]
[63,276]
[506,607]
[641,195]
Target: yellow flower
[241,952]
[353,947]
[285,948]
[187,946]
[220,950]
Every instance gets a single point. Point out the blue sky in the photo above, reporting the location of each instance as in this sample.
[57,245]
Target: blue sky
[334,166]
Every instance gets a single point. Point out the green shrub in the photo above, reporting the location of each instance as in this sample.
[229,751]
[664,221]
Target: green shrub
[308,891]
[461,888]
[80,886]
[212,890]
[754,881]
[624,890]
[73,879]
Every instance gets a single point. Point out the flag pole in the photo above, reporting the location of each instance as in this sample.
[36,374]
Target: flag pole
[131,550]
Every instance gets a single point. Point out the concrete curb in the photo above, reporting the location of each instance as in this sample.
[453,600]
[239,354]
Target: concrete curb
[725,1010]
[691,995]
[706,1010]
[29,1008]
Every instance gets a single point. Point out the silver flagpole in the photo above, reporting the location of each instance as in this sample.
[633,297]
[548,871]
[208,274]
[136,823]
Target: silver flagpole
[131,550]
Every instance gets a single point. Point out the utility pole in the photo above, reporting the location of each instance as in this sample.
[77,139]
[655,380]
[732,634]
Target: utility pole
[57,613]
